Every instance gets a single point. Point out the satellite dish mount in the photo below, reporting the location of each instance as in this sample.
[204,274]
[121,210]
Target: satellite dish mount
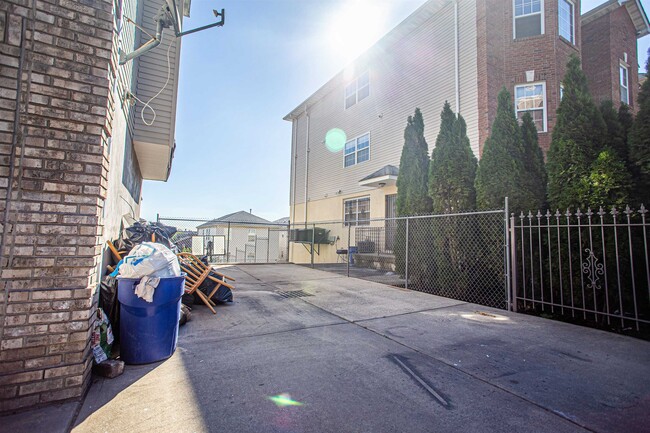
[168,17]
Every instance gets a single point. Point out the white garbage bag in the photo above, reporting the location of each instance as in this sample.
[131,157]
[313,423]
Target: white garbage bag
[150,259]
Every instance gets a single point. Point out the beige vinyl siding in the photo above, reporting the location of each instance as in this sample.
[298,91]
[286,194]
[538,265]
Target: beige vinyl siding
[417,71]
[152,74]
[468,61]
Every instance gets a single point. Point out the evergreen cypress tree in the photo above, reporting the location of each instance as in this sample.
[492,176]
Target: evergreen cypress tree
[534,167]
[639,143]
[412,194]
[626,119]
[453,166]
[615,136]
[501,171]
[577,141]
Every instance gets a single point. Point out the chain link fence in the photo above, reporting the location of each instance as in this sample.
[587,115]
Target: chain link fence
[460,256]
[231,241]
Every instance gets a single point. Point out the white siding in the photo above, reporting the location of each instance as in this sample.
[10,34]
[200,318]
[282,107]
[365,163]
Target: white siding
[152,73]
[417,71]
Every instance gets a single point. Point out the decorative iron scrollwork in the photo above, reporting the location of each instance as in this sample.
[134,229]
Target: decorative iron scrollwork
[593,269]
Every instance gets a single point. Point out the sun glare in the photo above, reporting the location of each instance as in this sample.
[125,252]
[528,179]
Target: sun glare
[356,26]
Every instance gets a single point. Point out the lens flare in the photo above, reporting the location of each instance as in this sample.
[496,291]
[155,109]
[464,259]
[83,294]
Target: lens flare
[335,140]
[284,400]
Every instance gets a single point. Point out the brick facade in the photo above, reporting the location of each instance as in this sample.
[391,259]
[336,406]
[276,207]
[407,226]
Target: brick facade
[53,170]
[504,60]
[607,41]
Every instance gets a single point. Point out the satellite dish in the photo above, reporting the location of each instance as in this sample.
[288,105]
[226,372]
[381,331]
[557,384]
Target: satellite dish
[169,16]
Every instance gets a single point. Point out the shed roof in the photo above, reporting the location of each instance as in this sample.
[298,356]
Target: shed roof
[241,217]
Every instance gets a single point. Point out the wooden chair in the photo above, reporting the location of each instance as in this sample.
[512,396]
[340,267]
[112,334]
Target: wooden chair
[197,272]
[116,255]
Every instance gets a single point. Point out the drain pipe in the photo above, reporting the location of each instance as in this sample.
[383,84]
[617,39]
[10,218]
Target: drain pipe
[294,144]
[306,165]
[456,60]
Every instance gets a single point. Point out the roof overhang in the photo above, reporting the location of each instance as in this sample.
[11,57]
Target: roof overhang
[634,9]
[379,182]
[154,160]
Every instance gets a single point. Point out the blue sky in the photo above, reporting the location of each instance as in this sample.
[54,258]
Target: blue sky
[238,82]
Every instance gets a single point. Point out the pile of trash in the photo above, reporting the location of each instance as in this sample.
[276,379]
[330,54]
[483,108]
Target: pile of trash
[146,253]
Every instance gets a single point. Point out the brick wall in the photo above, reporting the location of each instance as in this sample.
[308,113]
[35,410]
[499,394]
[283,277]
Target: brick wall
[503,61]
[606,41]
[54,57]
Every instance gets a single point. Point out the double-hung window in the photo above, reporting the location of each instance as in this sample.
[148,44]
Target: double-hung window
[528,18]
[357,150]
[624,84]
[357,90]
[357,211]
[531,98]
[566,10]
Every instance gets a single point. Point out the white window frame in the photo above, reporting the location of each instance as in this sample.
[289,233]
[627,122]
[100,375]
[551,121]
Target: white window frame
[623,67]
[356,220]
[356,150]
[355,81]
[514,18]
[573,20]
[252,235]
[545,108]
[561,91]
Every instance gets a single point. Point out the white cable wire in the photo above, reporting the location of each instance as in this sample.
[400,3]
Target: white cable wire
[146,104]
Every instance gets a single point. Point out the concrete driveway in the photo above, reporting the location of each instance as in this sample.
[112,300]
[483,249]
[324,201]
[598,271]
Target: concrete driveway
[358,356]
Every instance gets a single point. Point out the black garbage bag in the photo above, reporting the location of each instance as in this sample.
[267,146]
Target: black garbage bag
[223,294]
[186,315]
[141,232]
[109,302]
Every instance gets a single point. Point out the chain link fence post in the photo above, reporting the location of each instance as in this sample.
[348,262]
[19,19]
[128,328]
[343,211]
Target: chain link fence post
[348,249]
[406,257]
[313,234]
[228,245]
[506,255]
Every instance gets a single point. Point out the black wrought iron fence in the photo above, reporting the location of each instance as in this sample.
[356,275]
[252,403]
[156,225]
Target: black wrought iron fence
[584,266]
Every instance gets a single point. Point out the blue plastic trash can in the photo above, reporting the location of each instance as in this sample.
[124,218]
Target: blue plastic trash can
[149,330]
[351,252]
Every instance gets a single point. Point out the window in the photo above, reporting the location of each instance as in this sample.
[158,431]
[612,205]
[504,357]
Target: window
[625,91]
[357,211]
[528,18]
[357,90]
[251,235]
[561,91]
[565,19]
[357,150]
[531,98]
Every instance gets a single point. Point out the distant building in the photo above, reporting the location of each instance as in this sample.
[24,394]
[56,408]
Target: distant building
[240,237]
[462,52]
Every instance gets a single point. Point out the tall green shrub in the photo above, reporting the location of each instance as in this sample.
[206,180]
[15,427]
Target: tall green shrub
[453,166]
[615,134]
[501,172]
[577,141]
[412,194]
[534,167]
[639,143]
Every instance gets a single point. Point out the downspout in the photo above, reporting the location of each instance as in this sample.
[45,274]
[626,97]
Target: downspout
[456,60]
[306,165]
[294,145]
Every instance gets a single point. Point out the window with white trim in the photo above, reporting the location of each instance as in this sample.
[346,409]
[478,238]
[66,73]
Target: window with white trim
[566,10]
[357,150]
[357,90]
[528,18]
[531,98]
[251,235]
[356,211]
[624,84]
